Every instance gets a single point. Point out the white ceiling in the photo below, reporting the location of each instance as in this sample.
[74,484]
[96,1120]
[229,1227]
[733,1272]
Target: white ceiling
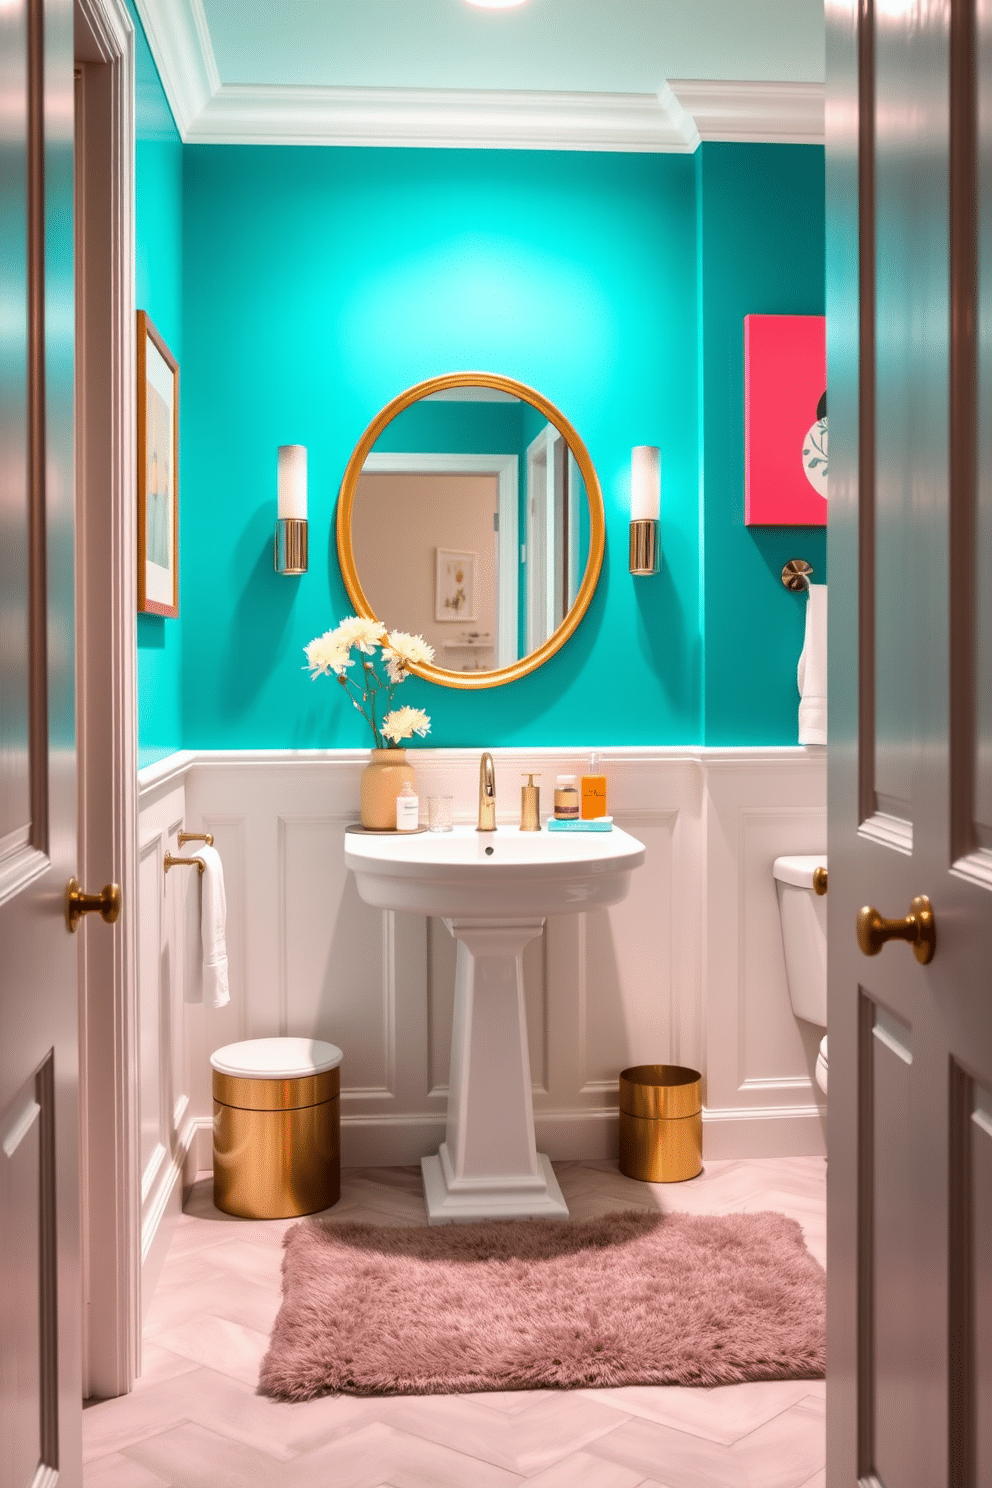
[575,74]
[597,46]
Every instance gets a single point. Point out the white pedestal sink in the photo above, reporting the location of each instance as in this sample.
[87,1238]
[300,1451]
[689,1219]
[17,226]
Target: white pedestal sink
[493,890]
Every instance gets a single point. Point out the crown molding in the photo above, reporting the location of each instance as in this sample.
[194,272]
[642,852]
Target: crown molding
[179,38]
[439,118]
[674,120]
[771,113]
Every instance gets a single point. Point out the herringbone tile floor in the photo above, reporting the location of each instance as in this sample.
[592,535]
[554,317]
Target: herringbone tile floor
[194,1420]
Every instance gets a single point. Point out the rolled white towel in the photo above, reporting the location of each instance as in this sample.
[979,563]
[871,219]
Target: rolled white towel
[206,978]
[812,672]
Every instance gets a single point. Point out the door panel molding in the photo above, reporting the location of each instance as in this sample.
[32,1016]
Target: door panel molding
[865,85]
[865,1240]
[888,831]
[29,1446]
[961,1281]
[963,441]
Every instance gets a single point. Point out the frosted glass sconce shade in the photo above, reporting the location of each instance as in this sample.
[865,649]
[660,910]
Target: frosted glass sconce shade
[645,509]
[290,551]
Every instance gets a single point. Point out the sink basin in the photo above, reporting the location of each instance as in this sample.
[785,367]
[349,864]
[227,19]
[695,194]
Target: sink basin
[493,890]
[506,872]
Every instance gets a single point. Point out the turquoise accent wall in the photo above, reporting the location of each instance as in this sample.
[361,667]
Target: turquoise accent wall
[159,291]
[317,284]
[762,253]
[457,428]
[303,288]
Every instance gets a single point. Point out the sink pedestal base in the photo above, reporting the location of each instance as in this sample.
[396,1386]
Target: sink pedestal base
[445,1206]
[488,1166]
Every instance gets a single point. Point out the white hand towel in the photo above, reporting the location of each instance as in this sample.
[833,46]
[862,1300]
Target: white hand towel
[812,673]
[206,945]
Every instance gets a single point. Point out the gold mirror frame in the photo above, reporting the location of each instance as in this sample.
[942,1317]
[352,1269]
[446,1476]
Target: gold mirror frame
[597,521]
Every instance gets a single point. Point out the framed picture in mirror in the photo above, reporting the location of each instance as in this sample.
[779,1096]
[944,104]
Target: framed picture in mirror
[454,597]
[158,464]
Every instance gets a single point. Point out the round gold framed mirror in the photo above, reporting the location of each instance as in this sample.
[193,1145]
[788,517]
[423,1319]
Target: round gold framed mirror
[471,513]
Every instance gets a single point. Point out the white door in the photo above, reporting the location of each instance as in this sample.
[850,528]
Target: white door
[909,315]
[40,1405]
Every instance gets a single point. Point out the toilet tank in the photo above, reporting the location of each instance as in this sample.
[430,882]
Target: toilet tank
[804,934]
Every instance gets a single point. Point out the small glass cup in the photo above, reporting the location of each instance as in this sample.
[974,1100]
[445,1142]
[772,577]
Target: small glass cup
[439,813]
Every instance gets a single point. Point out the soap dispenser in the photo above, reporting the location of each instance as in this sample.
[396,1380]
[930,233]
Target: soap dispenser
[593,788]
[530,805]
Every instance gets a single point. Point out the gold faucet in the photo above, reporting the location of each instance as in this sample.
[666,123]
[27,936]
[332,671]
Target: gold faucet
[487,794]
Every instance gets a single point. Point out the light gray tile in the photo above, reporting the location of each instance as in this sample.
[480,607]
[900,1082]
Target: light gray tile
[228,1347]
[787,1451]
[189,1456]
[551,1425]
[224,1296]
[118,1471]
[159,1364]
[580,1470]
[378,1453]
[675,1458]
[723,1413]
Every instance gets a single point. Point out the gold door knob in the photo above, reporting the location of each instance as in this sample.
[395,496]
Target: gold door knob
[819,881]
[107,904]
[919,928]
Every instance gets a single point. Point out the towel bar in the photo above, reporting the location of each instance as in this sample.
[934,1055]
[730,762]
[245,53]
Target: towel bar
[170,862]
[207,837]
[796,575]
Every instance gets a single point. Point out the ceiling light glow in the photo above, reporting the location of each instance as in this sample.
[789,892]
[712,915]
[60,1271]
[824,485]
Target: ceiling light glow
[495,4]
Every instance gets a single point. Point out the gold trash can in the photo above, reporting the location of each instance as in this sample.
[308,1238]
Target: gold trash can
[661,1123]
[277,1127]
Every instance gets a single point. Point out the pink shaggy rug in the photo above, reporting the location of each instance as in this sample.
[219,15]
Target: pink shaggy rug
[628,1299]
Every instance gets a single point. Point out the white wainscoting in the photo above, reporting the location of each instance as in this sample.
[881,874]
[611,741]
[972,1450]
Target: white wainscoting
[688,969]
[167,1122]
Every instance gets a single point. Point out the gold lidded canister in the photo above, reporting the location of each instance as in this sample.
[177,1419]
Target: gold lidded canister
[661,1123]
[277,1123]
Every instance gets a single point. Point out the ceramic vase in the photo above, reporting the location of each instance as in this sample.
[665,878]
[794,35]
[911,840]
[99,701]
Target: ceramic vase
[382,780]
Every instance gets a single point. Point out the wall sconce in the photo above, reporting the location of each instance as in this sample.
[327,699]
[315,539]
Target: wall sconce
[645,509]
[290,551]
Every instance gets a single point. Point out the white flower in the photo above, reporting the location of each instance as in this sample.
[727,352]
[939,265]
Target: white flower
[327,653]
[364,635]
[404,722]
[400,651]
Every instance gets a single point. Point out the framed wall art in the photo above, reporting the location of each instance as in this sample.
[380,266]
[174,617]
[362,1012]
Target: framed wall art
[785,421]
[455,592]
[158,467]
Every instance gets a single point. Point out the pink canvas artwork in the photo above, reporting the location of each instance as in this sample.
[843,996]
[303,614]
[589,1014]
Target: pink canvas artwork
[785,421]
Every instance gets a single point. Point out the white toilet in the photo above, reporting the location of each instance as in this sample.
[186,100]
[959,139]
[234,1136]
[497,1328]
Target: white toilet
[804,937]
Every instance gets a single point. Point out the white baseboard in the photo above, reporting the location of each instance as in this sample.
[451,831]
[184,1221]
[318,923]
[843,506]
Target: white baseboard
[570,1136]
[765,1131]
[389,1141]
[574,1136]
[200,1152]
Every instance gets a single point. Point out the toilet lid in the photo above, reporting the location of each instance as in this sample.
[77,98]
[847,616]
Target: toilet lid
[798,868]
[276,1058]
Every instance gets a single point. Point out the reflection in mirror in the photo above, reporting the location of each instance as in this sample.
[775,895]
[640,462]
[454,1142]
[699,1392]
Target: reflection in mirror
[470,526]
